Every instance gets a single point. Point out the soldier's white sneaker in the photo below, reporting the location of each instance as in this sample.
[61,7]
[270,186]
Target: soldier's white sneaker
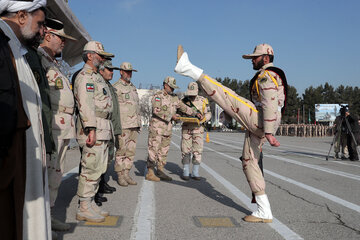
[263,213]
[86,213]
[185,67]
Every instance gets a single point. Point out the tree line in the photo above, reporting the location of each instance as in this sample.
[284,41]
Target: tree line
[302,108]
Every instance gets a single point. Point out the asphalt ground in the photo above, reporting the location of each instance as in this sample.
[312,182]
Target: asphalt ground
[311,198]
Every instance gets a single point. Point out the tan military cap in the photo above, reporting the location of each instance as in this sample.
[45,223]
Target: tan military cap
[192,89]
[126,66]
[261,49]
[171,81]
[97,47]
[61,33]
[108,64]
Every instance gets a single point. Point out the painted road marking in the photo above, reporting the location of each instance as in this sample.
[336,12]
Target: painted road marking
[321,193]
[282,229]
[144,218]
[215,222]
[110,221]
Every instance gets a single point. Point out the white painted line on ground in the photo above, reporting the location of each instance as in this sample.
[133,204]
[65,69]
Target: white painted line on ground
[286,151]
[282,229]
[333,198]
[144,218]
[335,172]
[321,193]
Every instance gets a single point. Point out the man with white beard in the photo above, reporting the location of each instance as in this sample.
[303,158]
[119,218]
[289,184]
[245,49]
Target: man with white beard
[22,22]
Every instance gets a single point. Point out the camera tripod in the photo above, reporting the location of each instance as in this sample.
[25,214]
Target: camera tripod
[343,118]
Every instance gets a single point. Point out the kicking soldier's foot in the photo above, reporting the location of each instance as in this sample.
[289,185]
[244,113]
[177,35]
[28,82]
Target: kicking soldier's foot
[121,179]
[58,225]
[99,198]
[99,210]
[150,176]
[253,219]
[185,67]
[86,213]
[163,176]
[128,179]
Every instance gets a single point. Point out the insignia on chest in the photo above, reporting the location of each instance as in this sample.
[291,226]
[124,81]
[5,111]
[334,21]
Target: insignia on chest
[157,99]
[164,107]
[127,96]
[90,87]
[59,83]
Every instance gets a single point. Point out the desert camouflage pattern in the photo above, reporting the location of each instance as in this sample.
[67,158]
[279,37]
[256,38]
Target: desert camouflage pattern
[129,104]
[61,98]
[63,123]
[164,106]
[125,152]
[93,99]
[263,116]
[94,102]
[94,164]
[192,134]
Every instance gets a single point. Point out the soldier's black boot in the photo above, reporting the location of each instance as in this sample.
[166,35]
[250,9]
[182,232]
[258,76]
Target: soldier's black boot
[99,199]
[104,187]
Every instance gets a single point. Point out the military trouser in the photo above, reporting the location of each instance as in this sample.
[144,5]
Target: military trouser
[56,163]
[93,164]
[158,148]
[244,112]
[192,142]
[340,144]
[125,153]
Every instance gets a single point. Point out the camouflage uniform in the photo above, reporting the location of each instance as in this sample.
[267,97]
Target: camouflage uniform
[130,124]
[63,124]
[192,134]
[340,138]
[94,101]
[164,106]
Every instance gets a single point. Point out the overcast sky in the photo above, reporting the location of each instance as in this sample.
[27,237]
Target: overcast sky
[315,41]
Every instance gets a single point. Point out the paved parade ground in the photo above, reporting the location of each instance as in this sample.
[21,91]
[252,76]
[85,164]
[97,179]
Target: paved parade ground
[311,198]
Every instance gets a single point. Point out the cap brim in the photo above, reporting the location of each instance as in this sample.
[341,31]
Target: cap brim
[115,68]
[53,23]
[65,36]
[106,54]
[128,70]
[250,56]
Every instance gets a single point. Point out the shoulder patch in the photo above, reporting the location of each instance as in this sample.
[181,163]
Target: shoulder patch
[90,87]
[59,83]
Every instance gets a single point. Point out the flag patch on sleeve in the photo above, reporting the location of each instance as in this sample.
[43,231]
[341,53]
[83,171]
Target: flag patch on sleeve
[90,87]
[157,99]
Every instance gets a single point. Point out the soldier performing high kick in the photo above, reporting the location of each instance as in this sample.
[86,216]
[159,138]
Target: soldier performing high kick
[261,118]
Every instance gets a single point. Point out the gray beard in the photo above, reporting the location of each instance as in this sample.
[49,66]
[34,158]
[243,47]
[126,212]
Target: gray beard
[31,38]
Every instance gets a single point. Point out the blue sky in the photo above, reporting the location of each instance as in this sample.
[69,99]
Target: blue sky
[315,41]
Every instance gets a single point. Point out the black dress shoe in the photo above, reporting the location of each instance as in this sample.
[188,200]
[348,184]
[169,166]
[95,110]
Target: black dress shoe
[109,187]
[99,198]
[104,189]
